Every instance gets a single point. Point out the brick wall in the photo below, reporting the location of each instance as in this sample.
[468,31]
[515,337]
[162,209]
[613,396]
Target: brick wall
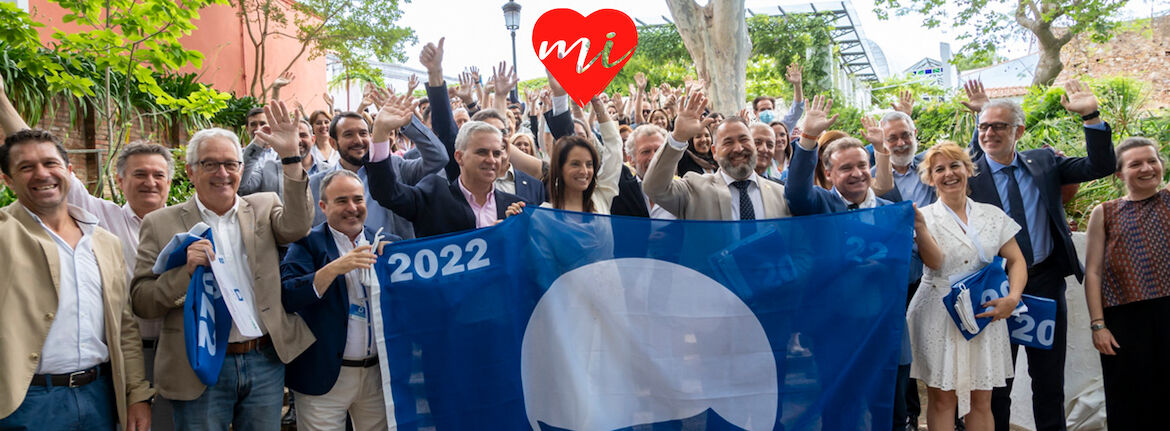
[1141,52]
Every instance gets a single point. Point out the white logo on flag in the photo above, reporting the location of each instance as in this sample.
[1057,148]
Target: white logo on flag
[627,342]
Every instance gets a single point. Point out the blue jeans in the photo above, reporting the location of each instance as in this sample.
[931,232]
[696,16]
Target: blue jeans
[50,408]
[248,396]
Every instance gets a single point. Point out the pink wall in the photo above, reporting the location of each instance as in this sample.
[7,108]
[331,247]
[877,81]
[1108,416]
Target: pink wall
[227,50]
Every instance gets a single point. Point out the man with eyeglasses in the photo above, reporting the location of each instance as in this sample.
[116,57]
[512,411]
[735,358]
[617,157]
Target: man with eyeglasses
[247,231]
[1026,185]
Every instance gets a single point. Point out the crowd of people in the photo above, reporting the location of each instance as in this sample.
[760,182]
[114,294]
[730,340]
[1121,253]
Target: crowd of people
[94,326]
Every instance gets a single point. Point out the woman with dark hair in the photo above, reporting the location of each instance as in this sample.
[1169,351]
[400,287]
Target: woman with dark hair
[783,153]
[698,158]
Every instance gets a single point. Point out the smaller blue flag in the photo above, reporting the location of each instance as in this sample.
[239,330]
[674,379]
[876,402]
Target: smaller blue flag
[1035,327]
[206,321]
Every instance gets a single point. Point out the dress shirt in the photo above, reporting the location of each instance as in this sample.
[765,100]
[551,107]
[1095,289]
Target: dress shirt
[77,336]
[358,334]
[507,183]
[911,187]
[869,202]
[485,214]
[229,244]
[753,191]
[1034,211]
[124,224]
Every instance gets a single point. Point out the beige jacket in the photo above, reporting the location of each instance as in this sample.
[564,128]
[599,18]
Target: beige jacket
[701,197]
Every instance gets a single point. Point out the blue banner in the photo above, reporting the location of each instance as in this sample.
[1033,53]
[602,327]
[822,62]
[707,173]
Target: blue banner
[1037,326]
[557,320]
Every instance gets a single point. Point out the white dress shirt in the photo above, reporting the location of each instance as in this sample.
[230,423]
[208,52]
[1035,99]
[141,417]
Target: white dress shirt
[507,183]
[656,211]
[324,164]
[359,331]
[124,224]
[229,244]
[77,336]
[753,191]
[869,202]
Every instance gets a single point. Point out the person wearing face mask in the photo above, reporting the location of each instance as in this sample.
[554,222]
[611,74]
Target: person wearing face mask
[1127,288]
[734,192]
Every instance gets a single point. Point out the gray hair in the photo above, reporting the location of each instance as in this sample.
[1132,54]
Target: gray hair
[840,144]
[642,130]
[329,177]
[471,128]
[1014,108]
[197,140]
[144,148]
[897,115]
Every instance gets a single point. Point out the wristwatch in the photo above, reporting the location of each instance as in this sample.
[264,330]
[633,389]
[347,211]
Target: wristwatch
[291,160]
[1097,326]
[1090,115]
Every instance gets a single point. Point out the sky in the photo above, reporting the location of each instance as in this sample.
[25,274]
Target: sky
[476,34]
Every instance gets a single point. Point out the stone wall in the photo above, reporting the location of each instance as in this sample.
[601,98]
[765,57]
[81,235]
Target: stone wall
[1141,50]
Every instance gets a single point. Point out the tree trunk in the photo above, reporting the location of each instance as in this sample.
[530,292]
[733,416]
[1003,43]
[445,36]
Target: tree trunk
[716,36]
[1049,66]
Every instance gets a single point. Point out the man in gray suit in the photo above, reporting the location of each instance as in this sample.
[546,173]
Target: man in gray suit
[735,192]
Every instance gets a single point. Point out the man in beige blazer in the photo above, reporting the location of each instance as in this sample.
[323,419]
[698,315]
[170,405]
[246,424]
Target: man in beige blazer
[247,231]
[69,346]
[735,192]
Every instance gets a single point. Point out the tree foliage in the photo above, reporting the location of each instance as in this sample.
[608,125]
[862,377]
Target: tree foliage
[354,31]
[990,23]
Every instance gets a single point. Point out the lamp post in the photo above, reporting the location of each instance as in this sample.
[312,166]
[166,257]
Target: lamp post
[512,22]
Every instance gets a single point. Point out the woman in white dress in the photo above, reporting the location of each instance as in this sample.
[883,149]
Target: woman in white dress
[961,373]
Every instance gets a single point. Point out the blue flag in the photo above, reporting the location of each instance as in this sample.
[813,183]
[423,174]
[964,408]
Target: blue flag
[206,321]
[556,320]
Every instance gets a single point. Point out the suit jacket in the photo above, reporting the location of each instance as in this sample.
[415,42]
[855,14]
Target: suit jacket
[528,188]
[28,302]
[259,176]
[315,371]
[805,198]
[1050,172]
[434,205]
[630,200]
[701,197]
[264,224]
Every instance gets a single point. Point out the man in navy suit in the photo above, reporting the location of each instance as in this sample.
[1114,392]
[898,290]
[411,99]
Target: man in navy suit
[1026,185]
[640,148]
[321,281]
[510,179]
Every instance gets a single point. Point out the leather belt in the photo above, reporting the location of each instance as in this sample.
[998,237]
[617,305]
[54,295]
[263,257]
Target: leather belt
[360,363]
[149,343]
[248,346]
[75,379]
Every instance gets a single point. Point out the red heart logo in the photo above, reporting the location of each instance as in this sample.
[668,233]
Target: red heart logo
[584,53]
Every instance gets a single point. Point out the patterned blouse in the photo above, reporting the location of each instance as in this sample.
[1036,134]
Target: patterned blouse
[1137,249]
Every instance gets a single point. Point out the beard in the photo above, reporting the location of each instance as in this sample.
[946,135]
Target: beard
[903,159]
[356,161]
[741,172]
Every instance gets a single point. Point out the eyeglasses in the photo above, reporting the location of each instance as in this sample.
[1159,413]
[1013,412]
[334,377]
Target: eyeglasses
[210,166]
[905,136]
[645,112]
[997,126]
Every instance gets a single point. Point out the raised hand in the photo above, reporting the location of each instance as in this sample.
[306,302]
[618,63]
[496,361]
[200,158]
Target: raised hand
[816,118]
[905,102]
[794,75]
[282,133]
[395,114]
[873,134]
[474,74]
[466,85]
[688,124]
[411,84]
[431,58]
[546,100]
[640,81]
[328,101]
[1078,98]
[976,96]
[367,98]
[504,81]
[284,79]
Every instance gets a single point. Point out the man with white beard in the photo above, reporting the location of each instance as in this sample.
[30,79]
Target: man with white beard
[901,140]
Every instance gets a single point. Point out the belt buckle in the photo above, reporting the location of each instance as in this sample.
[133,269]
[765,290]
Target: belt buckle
[73,375]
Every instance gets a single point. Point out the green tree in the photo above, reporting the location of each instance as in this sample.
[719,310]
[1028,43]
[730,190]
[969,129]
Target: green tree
[354,31]
[975,59]
[1052,22]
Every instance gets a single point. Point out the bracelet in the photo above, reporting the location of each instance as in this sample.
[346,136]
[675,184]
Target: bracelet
[1091,116]
[290,160]
[1097,326]
[1102,319]
[808,136]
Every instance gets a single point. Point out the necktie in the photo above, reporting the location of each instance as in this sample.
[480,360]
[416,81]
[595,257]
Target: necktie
[1016,202]
[746,210]
[852,207]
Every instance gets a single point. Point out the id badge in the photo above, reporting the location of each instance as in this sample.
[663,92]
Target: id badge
[358,312]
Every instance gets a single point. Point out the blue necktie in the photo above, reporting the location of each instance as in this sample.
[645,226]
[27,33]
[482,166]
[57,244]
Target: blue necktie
[1016,202]
[746,210]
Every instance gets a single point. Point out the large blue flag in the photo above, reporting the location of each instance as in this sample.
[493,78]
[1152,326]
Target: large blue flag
[556,320]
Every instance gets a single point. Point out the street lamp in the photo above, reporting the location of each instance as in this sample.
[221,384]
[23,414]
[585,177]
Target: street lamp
[512,22]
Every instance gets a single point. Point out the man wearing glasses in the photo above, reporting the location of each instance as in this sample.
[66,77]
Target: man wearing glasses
[1027,186]
[247,231]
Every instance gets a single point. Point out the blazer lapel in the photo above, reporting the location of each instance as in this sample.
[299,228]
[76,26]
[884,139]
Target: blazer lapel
[247,220]
[1031,166]
[465,207]
[724,195]
[771,207]
[190,214]
[48,245]
[983,185]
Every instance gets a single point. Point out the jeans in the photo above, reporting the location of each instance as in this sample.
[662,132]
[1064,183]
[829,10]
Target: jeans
[248,396]
[51,408]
